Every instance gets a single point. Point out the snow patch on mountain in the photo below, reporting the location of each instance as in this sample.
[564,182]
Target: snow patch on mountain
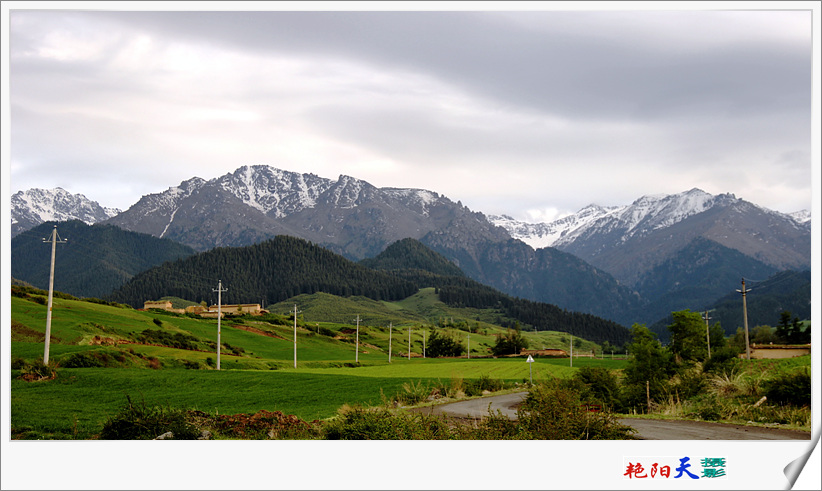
[418,200]
[801,216]
[540,235]
[275,192]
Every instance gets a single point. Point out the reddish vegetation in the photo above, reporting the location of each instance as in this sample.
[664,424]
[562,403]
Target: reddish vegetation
[271,424]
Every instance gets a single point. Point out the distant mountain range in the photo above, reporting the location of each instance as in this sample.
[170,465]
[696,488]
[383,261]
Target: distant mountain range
[644,215]
[35,206]
[632,263]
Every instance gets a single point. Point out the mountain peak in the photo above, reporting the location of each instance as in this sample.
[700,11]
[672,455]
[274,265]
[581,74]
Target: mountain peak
[35,206]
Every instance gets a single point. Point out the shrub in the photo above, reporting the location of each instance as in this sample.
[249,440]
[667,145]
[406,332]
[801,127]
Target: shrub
[509,343]
[553,411]
[793,388]
[443,344]
[140,422]
[165,338]
[327,332]
[412,393]
[261,425]
[722,359]
[485,382]
[726,384]
[82,360]
[38,371]
[357,423]
[602,385]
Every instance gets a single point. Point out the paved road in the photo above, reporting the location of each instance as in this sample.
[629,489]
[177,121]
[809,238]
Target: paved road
[477,408]
[657,429]
[647,429]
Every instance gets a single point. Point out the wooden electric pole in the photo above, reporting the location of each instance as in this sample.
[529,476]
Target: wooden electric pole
[54,239]
[707,333]
[743,291]
[295,335]
[219,291]
[357,346]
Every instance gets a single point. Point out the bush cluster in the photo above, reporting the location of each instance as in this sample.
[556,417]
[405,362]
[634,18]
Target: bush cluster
[141,422]
[792,388]
[165,338]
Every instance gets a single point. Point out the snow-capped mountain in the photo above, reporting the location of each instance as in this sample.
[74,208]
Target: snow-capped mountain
[35,206]
[539,235]
[252,203]
[627,263]
[631,240]
[802,217]
[646,214]
[622,223]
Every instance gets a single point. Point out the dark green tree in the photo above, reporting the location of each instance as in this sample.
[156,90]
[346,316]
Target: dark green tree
[510,343]
[649,363]
[441,343]
[688,337]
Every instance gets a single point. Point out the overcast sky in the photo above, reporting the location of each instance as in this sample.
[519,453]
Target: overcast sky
[534,114]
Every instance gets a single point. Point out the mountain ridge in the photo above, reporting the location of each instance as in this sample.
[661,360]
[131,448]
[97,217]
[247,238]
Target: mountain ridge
[602,255]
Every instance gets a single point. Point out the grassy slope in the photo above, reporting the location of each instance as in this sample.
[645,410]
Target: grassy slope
[78,401]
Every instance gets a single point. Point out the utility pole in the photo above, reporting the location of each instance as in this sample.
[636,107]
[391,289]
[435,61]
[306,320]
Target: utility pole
[54,239]
[743,291]
[572,348]
[357,346]
[707,333]
[423,343]
[390,329]
[295,335]
[469,345]
[219,291]
[409,342]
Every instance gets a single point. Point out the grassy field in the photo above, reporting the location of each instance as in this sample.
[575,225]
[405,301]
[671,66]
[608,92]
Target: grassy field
[256,360]
[78,401]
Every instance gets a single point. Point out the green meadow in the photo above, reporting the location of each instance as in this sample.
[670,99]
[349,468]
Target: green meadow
[101,362]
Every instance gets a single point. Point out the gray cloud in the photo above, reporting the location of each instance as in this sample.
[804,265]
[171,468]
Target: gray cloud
[545,110]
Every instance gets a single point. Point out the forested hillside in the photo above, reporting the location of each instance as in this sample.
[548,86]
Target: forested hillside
[267,272]
[411,260]
[94,260]
[408,254]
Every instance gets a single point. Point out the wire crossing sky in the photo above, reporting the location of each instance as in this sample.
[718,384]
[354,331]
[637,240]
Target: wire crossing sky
[534,114]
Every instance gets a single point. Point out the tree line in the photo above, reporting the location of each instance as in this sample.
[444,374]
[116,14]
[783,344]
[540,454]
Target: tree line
[541,315]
